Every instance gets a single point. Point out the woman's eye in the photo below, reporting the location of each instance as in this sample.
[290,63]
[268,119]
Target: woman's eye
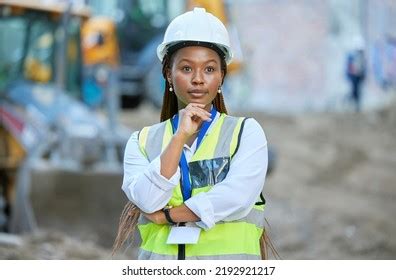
[187,68]
[210,69]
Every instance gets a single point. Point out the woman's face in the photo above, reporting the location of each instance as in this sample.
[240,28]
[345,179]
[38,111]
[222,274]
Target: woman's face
[195,75]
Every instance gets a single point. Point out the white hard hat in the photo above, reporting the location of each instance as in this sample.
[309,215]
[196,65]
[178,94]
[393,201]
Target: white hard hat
[196,27]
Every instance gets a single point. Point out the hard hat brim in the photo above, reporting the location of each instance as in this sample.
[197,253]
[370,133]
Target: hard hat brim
[169,48]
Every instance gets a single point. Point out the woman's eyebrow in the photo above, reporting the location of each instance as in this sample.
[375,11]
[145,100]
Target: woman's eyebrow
[191,61]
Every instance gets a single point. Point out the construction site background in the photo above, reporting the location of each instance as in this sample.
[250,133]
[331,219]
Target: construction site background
[332,192]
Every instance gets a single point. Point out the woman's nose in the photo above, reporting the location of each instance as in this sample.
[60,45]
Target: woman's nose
[197,77]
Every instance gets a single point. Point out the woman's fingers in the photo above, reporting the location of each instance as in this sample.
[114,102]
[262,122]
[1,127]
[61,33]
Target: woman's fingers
[193,111]
[196,114]
[196,106]
[191,118]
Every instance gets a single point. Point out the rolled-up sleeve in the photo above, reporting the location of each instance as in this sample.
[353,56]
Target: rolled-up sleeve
[235,196]
[143,183]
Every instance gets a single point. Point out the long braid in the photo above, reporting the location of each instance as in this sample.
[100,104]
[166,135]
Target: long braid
[127,225]
[219,104]
[169,103]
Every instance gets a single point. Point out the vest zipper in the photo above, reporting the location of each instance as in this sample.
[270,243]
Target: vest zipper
[181,248]
[181,254]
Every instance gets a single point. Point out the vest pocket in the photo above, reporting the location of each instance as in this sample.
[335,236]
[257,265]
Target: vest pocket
[208,172]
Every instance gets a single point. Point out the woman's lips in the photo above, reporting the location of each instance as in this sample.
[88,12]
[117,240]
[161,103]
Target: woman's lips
[197,93]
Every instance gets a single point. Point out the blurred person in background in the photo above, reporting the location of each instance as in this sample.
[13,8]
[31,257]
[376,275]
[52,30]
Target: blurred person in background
[195,179]
[356,70]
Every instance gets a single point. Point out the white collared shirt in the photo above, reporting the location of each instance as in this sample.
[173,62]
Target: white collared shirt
[229,200]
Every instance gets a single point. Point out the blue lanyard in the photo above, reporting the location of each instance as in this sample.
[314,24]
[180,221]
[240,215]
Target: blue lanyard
[185,172]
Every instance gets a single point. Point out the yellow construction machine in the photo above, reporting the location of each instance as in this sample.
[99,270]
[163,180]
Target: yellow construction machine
[43,122]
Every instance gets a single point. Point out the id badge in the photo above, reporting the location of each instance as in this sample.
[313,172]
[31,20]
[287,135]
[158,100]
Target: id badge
[183,235]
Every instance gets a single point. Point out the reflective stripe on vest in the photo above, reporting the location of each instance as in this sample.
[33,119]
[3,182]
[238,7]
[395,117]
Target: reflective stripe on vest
[209,165]
[147,255]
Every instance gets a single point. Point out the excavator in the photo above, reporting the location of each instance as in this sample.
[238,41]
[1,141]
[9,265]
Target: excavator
[45,123]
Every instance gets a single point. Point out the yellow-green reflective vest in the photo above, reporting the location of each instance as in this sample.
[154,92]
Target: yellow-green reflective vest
[209,165]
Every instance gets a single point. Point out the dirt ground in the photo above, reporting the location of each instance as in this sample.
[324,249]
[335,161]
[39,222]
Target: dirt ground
[332,194]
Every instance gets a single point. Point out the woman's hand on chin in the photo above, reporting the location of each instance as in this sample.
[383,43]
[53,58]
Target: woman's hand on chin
[191,118]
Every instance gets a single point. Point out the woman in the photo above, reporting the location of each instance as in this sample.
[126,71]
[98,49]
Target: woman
[197,176]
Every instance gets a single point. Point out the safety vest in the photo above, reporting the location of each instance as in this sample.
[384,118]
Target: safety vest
[208,166]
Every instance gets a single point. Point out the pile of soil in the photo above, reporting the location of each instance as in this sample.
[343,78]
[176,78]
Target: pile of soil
[45,245]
